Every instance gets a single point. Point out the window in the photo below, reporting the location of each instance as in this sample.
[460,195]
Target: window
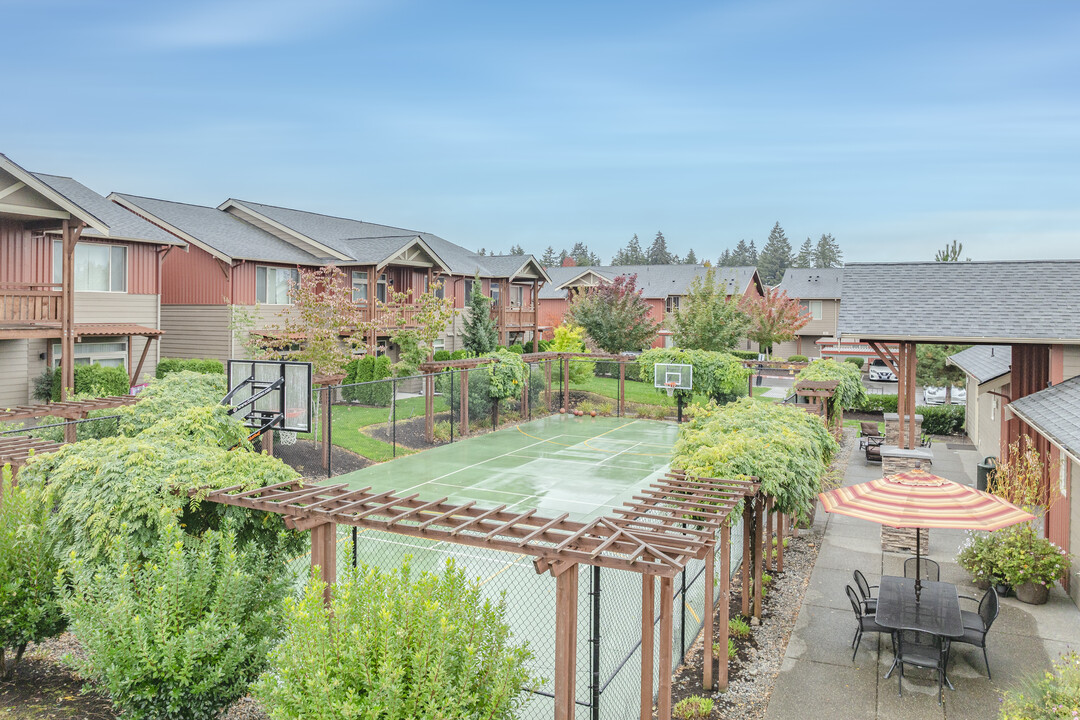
[272,284]
[440,290]
[98,267]
[359,286]
[496,289]
[517,296]
[672,303]
[438,344]
[109,354]
[380,288]
[811,308]
[468,289]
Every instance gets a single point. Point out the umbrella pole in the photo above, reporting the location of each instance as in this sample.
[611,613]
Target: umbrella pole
[918,570]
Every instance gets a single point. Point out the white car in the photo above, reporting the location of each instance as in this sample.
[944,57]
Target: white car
[936,395]
[880,371]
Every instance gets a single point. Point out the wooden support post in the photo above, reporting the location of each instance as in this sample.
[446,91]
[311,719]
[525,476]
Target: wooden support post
[327,418]
[463,425]
[780,517]
[525,398]
[759,521]
[710,608]
[622,388]
[536,317]
[912,363]
[744,571]
[902,391]
[566,384]
[766,537]
[547,384]
[667,619]
[71,431]
[771,534]
[267,439]
[725,605]
[142,359]
[648,645]
[324,554]
[794,522]
[566,595]
[429,407]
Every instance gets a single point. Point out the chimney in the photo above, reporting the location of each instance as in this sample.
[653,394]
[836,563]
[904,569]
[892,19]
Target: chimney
[568,262]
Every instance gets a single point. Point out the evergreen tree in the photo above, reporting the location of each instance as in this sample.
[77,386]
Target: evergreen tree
[517,250]
[549,259]
[631,254]
[562,256]
[582,256]
[691,258]
[751,254]
[741,256]
[951,253]
[806,257]
[775,257]
[658,253]
[726,259]
[828,254]
[479,334]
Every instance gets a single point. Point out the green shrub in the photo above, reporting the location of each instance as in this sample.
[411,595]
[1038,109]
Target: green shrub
[200,365]
[365,370]
[798,358]
[849,393]
[93,381]
[442,431]
[571,339]
[716,375]
[43,386]
[170,396]
[29,607]
[506,377]
[786,448]
[856,361]
[441,355]
[874,402]
[1052,695]
[459,355]
[744,354]
[394,646]
[106,427]
[942,419]
[517,348]
[694,707]
[181,635]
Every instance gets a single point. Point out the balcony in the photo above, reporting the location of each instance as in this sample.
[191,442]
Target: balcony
[514,316]
[30,309]
[388,316]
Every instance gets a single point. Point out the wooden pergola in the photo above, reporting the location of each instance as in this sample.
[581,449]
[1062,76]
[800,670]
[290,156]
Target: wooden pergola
[67,410]
[656,534]
[818,393]
[15,450]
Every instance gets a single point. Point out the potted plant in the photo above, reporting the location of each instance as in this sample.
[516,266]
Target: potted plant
[979,556]
[1031,564]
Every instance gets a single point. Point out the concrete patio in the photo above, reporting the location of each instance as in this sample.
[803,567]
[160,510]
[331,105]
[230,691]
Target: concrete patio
[818,678]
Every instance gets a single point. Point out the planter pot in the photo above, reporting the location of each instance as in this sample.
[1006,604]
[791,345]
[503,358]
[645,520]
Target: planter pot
[983,585]
[1032,593]
[1003,590]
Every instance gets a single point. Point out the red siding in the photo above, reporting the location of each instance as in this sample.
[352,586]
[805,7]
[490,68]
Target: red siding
[142,268]
[193,277]
[656,314]
[22,258]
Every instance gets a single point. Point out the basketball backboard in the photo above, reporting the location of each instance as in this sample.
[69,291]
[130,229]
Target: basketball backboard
[280,389]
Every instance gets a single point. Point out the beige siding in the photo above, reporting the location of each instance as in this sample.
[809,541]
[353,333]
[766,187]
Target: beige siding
[196,331]
[1071,364]
[990,407]
[1073,485]
[971,410]
[102,307]
[826,326]
[14,379]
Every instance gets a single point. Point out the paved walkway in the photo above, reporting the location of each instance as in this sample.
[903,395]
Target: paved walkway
[818,678]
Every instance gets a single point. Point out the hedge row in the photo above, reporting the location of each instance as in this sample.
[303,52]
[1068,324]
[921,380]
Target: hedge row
[200,365]
[364,370]
[942,419]
[94,381]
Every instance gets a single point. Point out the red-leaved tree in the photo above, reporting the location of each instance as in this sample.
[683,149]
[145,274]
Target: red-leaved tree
[615,315]
[774,317]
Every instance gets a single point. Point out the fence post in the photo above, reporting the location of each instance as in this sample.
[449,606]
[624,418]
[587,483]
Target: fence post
[330,449]
[648,646]
[451,398]
[725,604]
[682,614]
[622,387]
[710,607]
[780,542]
[566,595]
[429,408]
[566,384]
[354,547]
[594,660]
[324,395]
[744,572]
[71,432]
[464,403]
[759,521]
[547,387]
[268,442]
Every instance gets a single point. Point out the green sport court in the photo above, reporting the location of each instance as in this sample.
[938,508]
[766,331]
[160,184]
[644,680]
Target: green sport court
[583,466]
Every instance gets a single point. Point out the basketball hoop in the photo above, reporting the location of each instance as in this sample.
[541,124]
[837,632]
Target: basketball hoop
[670,386]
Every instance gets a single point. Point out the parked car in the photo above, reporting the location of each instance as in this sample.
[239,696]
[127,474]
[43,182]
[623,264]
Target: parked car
[880,371]
[936,395]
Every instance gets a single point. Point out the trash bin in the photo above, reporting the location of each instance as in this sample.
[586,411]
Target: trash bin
[985,472]
[760,369]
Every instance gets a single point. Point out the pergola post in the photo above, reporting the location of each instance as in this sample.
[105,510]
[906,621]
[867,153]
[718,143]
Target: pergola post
[566,384]
[780,517]
[326,419]
[566,595]
[667,617]
[70,431]
[622,388]
[429,407]
[759,521]
[267,439]
[464,423]
[547,384]
[770,530]
[536,317]
[744,571]
[324,554]
[648,644]
[710,597]
[725,600]
[912,362]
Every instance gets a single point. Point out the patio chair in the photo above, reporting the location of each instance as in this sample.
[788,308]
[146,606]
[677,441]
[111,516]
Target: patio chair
[867,622]
[977,624]
[869,429]
[867,598]
[923,650]
[872,446]
[929,569]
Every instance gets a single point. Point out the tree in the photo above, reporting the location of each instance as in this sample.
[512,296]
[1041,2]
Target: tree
[517,250]
[571,338]
[691,258]
[775,257]
[741,254]
[429,316]
[582,256]
[951,253]
[932,367]
[774,317]
[632,254]
[615,315]
[806,257]
[706,318]
[479,334]
[726,259]
[322,326]
[827,253]
[658,253]
[549,259]
[562,257]
[751,254]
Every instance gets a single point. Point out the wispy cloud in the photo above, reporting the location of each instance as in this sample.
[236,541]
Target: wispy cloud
[240,23]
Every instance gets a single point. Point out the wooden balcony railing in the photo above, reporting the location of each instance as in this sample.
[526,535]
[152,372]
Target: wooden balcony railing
[514,316]
[30,303]
[388,315]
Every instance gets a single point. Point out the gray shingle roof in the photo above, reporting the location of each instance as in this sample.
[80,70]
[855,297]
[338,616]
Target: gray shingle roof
[984,362]
[123,224]
[1054,412]
[970,302]
[223,232]
[654,281]
[813,283]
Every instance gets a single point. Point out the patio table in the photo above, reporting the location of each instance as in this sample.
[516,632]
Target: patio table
[936,612]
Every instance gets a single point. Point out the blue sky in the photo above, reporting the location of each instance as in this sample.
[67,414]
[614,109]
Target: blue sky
[895,126]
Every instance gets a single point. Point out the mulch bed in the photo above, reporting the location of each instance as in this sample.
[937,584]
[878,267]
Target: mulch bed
[305,456]
[43,688]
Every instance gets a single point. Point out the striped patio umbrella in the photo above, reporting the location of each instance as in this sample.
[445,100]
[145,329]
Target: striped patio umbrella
[918,499]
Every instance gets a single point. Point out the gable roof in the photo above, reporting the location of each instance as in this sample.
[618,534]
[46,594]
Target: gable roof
[812,283]
[961,302]
[223,235]
[984,362]
[1055,413]
[655,281]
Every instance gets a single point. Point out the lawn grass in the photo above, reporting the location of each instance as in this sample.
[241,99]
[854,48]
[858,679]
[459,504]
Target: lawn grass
[855,424]
[636,392]
[349,421]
